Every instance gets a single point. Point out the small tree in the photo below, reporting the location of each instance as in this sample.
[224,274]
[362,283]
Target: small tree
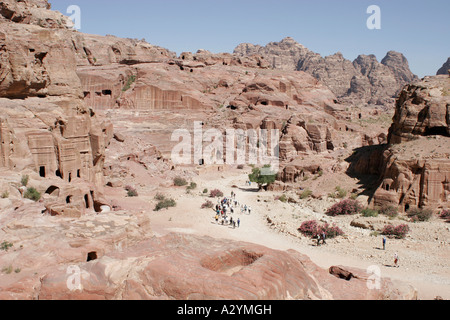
[262,176]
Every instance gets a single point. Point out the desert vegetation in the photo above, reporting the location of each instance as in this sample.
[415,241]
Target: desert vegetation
[345,207]
[164,203]
[313,229]
[32,194]
[398,232]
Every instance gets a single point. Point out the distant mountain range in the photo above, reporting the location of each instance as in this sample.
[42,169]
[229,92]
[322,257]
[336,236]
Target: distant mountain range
[363,81]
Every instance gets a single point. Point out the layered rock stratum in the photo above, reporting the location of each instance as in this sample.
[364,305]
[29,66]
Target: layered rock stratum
[61,91]
[414,166]
[46,130]
[363,81]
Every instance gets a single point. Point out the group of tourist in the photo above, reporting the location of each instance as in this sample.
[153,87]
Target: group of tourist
[227,207]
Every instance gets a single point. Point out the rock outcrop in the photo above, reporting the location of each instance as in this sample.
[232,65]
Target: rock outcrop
[422,110]
[365,81]
[444,70]
[414,167]
[45,127]
[34,12]
[227,90]
[180,267]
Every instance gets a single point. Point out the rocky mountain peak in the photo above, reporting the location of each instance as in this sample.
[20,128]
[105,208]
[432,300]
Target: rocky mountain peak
[445,68]
[399,65]
[380,81]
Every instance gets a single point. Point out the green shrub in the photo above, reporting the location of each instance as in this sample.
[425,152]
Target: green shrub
[160,197]
[165,204]
[192,186]
[180,182]
[341,193]
[24,180]
[32,194]
[305,194]
[353,196]
[419,215]
[8,269]
[388,211]
[5,245]
[131,192]
[130,81]
[205,191]
[369,212]
[5,195]
[283,198]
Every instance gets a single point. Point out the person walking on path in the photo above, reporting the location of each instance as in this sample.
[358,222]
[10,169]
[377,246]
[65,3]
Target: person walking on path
[396,260]
[384,243]
[239,222]
[324,237]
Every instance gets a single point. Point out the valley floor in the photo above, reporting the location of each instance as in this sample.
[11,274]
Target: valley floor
[424,254]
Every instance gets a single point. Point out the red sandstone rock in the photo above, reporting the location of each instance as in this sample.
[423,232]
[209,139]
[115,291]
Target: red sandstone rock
[364,81]
[194,268]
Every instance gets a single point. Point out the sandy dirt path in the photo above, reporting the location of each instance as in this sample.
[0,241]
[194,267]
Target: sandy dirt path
[360,252]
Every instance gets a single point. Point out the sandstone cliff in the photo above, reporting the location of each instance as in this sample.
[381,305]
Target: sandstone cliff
[46,130]
[54,84]
[414,166]
[365,81]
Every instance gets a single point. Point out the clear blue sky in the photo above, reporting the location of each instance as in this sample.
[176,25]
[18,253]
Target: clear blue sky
[418,29]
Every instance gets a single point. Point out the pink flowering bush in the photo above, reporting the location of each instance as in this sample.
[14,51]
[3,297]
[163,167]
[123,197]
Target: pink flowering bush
[312,229]
[398,232]
[207,205]
[345,207]
[216,193]
[445,214]
[309,228]
[331,231]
